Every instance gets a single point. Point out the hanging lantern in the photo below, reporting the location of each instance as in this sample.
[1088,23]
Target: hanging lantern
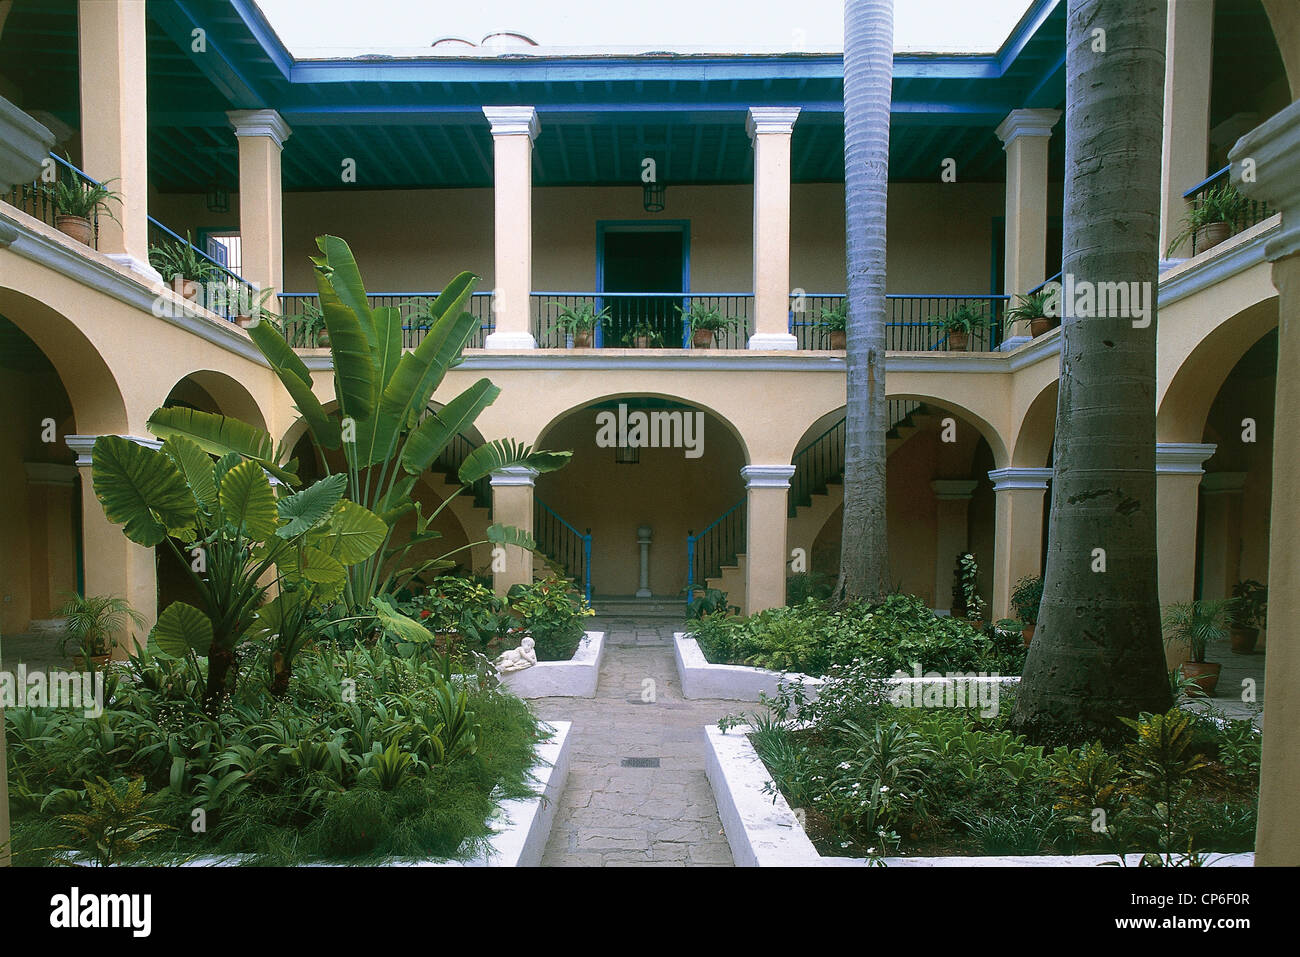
[627,455]
[652,197]
[218,199]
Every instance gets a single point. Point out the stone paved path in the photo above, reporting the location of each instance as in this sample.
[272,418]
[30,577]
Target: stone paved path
[614,814]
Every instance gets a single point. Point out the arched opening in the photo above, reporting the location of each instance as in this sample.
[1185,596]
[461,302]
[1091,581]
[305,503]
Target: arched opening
[216,392]
[644,460]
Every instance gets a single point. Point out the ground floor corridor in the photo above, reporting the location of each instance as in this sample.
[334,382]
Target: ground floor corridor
[636,792]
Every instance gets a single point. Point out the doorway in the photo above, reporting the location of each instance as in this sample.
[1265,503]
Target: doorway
[649,263]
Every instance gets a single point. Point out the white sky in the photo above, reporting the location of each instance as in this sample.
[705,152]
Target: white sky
[319,28]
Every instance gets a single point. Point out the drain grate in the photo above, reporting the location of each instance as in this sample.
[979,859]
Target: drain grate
[640,762]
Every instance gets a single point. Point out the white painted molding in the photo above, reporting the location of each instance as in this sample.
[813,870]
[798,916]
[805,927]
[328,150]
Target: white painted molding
[953,490]
[767,476]
[266,123]
[773,341]
[24,145]
[83,445]
[1026,123]
[1182,458]
[1223,483]
[50,473]
[1020,479]
[770,119]
[137,266]
[513,120]
[1274,149]
[512,476]
[510,341]
[1012,343]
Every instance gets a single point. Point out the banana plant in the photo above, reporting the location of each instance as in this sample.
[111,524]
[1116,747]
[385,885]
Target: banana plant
[236,540]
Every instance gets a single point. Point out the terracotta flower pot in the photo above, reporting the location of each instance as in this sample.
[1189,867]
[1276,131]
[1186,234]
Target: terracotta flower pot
[1039,326]
[839,338]
[1210,235]
[1204,673]
[582,338]
[641,342]
[703,338]
[1243,639]
[78,227]
[185,287]
[99,661]
[957,341]
[1028,634]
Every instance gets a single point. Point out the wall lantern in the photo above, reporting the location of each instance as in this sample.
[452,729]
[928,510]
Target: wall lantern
[627,455]
[218,199]
[652,197]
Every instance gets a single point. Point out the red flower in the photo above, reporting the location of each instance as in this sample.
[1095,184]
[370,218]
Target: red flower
[425,613]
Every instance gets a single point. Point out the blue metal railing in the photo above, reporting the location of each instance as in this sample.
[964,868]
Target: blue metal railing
[35,198]
[570,548]
[631,313]
[914,323]
[720,542]
[300,316]
[228,296]
[1252,210]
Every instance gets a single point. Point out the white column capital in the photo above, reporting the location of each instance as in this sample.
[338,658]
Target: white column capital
[1223,483]
[1182,458]
[767,476]
[83,445]
[513,475]
[770,119]
[1026,123]
[266,123]
[1273,152]
[1020,479]
[513,121]
[953,490]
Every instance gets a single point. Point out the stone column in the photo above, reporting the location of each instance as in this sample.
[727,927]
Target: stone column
[1189,56]
[1178,482]
[1275,148]
[114,565]
[114,123]
[1018,530]
[951,511]
[261,135]
[512,504]
[1025,135]
[513,130]
[767,489]
[1221,494]
[770,128]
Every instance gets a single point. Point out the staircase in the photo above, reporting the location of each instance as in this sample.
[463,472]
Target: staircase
[564,545]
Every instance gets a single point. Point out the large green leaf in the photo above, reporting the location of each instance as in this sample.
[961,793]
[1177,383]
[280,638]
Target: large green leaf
[216,434]
[247,501]
[293,373]
[340,267]
[181,629]
[440,349]
[350,348]
[388,344]
[510,535]
[507,453]
[432,435]
[397,624]
[141,490]
[311,564]
[304,510]
[197,467]
[352,534]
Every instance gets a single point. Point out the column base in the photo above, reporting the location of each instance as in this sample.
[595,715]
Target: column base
[772,341]
[510,340]
[644,593]
[141,269]
[1015,342]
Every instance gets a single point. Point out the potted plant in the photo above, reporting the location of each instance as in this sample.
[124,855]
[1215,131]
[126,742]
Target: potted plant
[183,266]
[1025,599]
[248,312]
[643,336]
[960,323]
[705,324]
[1211,219]
[76,203]
[1196,624]
[580,322]
[91,625]
[1248,613]
[834,320]
[1033,310]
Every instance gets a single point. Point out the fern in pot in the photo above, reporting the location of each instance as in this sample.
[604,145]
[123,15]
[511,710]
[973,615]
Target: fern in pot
[1211,220]
[706,324]
[1197,624]
[835,321]
[183,266]
[77,203]
[960,323]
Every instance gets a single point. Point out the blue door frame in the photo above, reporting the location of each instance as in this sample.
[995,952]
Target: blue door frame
[603,226]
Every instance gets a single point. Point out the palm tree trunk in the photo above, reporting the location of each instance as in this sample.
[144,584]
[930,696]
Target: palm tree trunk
[1097,652]
[868,79]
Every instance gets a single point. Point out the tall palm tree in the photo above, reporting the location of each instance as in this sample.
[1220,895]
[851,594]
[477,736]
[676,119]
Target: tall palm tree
[868,80]
[1097,652]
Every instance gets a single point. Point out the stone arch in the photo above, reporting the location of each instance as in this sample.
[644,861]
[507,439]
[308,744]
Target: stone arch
[1037,432]
[228,396]
[1284,15]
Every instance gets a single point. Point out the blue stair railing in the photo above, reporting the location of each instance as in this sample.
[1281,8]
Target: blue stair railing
[720,542]
[564,544]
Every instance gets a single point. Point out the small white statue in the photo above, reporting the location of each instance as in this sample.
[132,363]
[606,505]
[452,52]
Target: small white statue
[517,659]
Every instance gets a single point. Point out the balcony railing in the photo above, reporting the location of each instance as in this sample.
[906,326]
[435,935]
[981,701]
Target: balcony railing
[914,323]
[35,200]
[632,314]
[301,324]
[226,293]
[1252,210]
